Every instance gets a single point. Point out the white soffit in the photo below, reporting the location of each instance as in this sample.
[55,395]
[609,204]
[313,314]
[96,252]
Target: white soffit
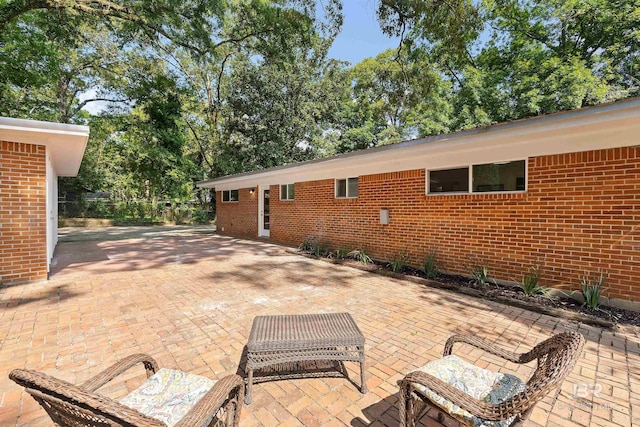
[65,143]
[600,127]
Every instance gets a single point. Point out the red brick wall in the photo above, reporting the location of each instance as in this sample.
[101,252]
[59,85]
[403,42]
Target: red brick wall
[23,212]
[580,215]
[238,218]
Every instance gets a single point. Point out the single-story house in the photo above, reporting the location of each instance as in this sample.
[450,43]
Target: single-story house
[33,154]
[563,189]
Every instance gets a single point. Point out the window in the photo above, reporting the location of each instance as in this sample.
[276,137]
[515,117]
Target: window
[346,188]
[287,192]
[230,196]
[485,178]
[449,181]
[501,176]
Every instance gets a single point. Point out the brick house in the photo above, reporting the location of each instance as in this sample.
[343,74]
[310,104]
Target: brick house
[562,188]
[33,154]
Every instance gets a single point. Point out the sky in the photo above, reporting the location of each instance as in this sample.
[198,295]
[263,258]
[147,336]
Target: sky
[360,36]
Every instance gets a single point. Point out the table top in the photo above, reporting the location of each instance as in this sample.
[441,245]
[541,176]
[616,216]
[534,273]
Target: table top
[300,331]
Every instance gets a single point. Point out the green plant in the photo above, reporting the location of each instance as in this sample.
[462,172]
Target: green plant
[479,271]
[200,216]
[181,213]
[312,245]
[530,281]
[592,290]
[140,209]
[360,255]
[430,265]
[399,261]
[341,253]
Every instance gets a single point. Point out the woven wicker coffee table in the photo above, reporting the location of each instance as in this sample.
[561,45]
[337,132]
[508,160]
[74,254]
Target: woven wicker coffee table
[303,346]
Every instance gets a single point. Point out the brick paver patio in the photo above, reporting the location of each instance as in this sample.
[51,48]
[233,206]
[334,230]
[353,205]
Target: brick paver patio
[189,301]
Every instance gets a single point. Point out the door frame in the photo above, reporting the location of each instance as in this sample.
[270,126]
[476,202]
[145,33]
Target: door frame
[261,231]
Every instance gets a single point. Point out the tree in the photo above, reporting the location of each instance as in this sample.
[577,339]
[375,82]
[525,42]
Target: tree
[189,23]
[508,59]
[278,111]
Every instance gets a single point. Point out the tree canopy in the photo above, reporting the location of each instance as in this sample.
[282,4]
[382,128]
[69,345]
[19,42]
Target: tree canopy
[179,91]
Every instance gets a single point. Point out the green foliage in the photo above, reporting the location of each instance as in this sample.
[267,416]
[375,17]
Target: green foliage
[341,253]
[530,281]
[313,246]
[430,264]
[200,216]
[181,214]
[592,289]
[479,271]
[360,255]
[96,209]
[399,261]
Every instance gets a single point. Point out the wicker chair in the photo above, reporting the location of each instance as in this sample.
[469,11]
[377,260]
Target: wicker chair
[476,396]
[167,398]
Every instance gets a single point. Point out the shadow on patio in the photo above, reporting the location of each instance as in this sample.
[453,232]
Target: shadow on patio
[189,301]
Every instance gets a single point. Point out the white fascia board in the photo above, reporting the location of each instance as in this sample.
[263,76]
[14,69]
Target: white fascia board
[601,127]
[66,143]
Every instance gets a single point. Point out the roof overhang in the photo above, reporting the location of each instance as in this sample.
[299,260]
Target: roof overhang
[600,127]
[65,143]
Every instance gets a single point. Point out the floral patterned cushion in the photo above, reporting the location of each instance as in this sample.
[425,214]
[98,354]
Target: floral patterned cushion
[490,387]
[168,395]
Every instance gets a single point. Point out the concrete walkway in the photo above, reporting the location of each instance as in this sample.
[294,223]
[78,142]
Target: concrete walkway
[189,298]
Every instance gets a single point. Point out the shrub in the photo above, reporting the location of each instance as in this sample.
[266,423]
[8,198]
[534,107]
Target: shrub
[181,214]
[360,255]
[479,271]
[430,265]
[200,216]
[97,209]
[399,261]
[140,209]
[312,245]
[530,281]
[592,290]
[341,253]
[121,210]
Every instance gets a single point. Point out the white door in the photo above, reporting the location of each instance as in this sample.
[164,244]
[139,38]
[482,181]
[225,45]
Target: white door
[263,211]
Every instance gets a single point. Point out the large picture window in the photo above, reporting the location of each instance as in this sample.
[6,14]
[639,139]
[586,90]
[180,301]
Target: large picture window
[485,178]
[287,192]
[230,196]
[346,188]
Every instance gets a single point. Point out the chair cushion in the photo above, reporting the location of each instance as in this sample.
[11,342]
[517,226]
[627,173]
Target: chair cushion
[482,384]
[168,395]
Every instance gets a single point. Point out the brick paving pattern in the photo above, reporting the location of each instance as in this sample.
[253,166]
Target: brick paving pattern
[189,301]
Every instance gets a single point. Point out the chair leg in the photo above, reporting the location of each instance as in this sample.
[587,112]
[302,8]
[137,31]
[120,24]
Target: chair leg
[407,408]
[247,396]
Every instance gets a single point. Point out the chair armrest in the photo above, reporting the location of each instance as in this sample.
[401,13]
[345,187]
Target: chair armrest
[94,383]
[470,404]
[486,346]
[229,387]
[48,388]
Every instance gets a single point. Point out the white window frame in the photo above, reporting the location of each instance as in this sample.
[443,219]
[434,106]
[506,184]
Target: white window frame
[470,167]
[230,201]
[347,195]
[287,199]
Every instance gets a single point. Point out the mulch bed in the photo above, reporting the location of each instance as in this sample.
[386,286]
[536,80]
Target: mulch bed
[558,306]
[603,316]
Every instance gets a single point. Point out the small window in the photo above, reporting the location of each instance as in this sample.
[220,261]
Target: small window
[449,181]
[287,192]
[230,196]
[501,176]
[347,188]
